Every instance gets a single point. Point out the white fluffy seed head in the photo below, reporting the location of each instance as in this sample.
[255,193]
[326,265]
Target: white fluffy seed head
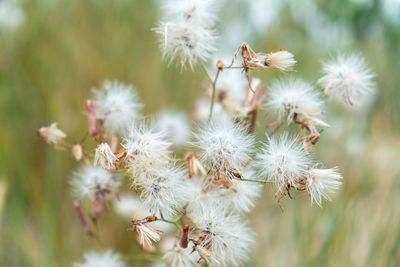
[347,79]
[282,160]
[188,43]
[117,104]
[164,190]
[294,97]
[322,183]
[224,145]
[147,149]
[282,60]
[90,179]
[191,11]
[175,125]
[100,259]
[230,237]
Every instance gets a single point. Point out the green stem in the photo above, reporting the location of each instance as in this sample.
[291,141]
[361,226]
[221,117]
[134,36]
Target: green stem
[213,95]
[257,181]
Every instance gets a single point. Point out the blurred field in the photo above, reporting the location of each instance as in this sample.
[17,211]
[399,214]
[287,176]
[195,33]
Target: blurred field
[49,64]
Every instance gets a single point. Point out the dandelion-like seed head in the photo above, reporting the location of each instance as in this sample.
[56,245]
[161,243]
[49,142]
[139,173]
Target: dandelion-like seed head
[100,259]
[282,160]
[164,190]
[191,11]
[90,180]
[146,148]
[117,105]
[294,97]
[188,43]
[347,79]
[224,145]
[226,236]
[322,183]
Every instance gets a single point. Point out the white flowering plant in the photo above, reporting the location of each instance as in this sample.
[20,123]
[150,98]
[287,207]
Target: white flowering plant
[206,194]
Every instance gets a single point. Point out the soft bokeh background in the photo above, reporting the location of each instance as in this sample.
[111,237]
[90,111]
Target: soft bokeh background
[53,52]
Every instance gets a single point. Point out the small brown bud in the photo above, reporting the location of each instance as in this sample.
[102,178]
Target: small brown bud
[220,65]
[151,218]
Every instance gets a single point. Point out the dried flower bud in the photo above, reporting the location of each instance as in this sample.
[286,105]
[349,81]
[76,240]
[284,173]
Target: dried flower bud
[105,157]
[77,152]
[146,234]
[52,134]
[184,238]
[92,122]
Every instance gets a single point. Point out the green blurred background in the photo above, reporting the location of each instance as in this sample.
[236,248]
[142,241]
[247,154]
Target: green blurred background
[62,49]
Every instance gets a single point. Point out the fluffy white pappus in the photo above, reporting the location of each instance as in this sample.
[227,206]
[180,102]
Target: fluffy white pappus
[202,112]
[147,149]
[294,97]
[165,190]
[180,257]
[90,179]
[117,104]
[241,196]
[105,157]
[282,60]
[107,258]
[185,42]
[230,237]
[200,12]
[224,145]
[11,15]
[282,160]
[131,207]
[322,183]
[175,125]
[347,79]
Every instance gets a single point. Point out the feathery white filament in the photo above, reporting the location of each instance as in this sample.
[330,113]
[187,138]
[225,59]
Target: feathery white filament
[117,104]
[164,190]
[146,148]
[347,79]
[294,97]
[282,160]
[105,157]
[230,237]
[187,43]
[90,179]
[322,183]
[224,145]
